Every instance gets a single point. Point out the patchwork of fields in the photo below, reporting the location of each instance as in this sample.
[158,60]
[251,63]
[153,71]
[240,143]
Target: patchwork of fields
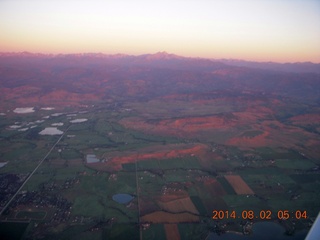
[197,146]
[176,182]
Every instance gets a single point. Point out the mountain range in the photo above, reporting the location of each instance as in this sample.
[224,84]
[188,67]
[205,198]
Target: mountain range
[71,78]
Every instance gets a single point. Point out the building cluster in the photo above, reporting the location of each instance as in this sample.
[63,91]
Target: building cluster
[9,184]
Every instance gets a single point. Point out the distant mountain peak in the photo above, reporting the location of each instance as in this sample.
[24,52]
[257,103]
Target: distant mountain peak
[163,53]
[162,56]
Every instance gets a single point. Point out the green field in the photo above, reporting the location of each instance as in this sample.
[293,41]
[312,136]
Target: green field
[280,177]
[301,164]
[31,215]
[164,164]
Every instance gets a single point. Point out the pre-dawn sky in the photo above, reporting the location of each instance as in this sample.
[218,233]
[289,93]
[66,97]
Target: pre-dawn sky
[261,30]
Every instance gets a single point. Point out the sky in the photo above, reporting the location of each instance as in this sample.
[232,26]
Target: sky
[255,30]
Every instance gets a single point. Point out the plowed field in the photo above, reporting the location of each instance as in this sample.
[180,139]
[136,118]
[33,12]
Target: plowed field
[172,231]
[239,186]
[179,205]
[164,217]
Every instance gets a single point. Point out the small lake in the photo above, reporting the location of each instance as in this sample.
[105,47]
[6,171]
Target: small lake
[122,198]
[14,126]
[51,131]
[2,164]
[24,110]
[56,114]
[79,120]
[261,231]
[57,124]
[91,158]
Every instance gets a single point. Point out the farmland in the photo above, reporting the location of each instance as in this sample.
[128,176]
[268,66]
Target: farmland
[180,150]
[179,179]
[239,186]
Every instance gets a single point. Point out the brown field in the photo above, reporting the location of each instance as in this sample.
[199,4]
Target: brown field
[214,187]
[172,231]
[173,196]
[276,134]
[293,137]
[225,129]
[305,119]
[193,126]
[147,205]
[239,186]
[116,159]
[34,95]
[257,141]
[164,217]
[182,127]
[313,149]
[179,205]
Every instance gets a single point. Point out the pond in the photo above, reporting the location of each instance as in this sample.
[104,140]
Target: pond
[47,108]
[51,131]
[122,198]
[14,126]
[79,120]
[91,158]
[2,164]
[57,124]
[24,110]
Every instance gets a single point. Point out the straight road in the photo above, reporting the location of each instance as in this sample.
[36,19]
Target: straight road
[27,179]
[138,190]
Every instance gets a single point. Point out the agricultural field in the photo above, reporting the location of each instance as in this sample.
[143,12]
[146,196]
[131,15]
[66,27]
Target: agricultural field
[172,231]
[239,186]
[173,180]
[183,161]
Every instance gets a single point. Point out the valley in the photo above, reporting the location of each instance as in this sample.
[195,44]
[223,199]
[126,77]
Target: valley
[184,137]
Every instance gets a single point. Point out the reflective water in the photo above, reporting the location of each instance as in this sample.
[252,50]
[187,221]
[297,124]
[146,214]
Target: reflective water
[122,198]
[51,131]
[91,158]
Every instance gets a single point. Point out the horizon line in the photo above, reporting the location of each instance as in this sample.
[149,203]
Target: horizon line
[155,53]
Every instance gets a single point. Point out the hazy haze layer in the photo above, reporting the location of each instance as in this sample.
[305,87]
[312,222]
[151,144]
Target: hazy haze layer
[281,31]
